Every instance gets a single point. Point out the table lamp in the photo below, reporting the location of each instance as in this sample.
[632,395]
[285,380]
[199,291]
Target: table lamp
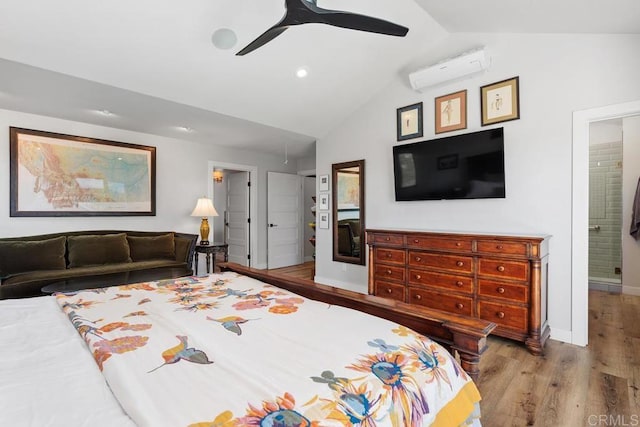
[204,208]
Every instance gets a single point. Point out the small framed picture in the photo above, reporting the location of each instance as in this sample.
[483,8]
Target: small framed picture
[324,183]
[323,220]
[451,112]
[323,202]
[500,101]
[409,121]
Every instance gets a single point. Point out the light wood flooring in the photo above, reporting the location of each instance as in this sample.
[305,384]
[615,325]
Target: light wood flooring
[569,386]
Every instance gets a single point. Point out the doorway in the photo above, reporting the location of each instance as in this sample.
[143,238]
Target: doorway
[580,213]
[233,189]
[605,205]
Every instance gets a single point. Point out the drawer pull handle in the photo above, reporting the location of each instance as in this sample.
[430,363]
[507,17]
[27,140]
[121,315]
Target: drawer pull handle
[418,297]
[389,291]
[500,314]
[499,247]
[459,306]
[500,268]
[418,277]
[387,238]
[458,244]
[500,290]
[418,259]
[459,263]
[389,254]
[459,284]
[416,241]
[389,272]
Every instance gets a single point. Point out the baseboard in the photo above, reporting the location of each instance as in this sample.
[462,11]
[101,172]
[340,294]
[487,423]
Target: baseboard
[262,266]
[561,335]
[308,259]
[631,290]
[355,287]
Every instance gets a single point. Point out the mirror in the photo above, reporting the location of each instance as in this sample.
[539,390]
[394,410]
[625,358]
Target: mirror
[347,201]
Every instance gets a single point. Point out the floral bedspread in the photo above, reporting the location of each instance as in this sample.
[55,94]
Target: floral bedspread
[227,350]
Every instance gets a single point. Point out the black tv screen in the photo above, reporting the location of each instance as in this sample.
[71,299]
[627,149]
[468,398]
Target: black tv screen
[468,166]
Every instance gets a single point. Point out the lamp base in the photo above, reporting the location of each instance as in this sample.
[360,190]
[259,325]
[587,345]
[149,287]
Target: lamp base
[204,243]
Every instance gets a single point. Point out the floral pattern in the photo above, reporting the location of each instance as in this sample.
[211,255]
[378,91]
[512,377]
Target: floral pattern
[198,334]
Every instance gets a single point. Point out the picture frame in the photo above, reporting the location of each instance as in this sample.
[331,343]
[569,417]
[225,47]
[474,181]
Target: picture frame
[324,183]
[451,112]
[409,122]
[323,201]
[56,175]
[500,101]
[323,220]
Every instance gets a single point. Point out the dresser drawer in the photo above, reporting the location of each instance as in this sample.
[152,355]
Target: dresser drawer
[507,291]
[387,239]
[499,247]
[389,290]
[439,243]
[458,264]
[389,272]
[508,316]
[517,270]
[441,280]
[390,256]
[450,303]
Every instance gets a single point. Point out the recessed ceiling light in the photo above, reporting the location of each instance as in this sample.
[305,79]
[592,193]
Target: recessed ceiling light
[105,113]
[302,72]
[224,38]
[185,128]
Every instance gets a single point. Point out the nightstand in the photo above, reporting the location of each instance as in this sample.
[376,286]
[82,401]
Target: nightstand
[210,252]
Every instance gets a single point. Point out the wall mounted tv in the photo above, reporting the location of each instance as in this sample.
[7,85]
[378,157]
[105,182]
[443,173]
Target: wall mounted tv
[468,166]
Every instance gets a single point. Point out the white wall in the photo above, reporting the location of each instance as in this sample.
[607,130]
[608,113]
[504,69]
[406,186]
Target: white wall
[559,74]
[182,177]
[630,176]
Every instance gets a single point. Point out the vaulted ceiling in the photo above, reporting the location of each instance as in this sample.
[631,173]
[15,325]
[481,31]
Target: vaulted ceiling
[152,63]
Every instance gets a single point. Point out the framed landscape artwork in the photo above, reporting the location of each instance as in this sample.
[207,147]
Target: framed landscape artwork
[451,112]
[500,101]
[409,121]
[63,175]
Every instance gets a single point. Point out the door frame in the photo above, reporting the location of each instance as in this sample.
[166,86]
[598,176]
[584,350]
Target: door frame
[580,213]
[253,202]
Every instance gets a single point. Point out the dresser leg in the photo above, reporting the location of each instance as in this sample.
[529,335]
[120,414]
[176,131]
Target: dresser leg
[535,343]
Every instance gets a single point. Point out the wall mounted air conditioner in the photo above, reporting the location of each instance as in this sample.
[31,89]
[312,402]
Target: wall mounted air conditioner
[464,65]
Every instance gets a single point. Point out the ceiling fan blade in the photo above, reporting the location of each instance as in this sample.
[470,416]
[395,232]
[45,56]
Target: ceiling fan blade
[263,39]
[354,21]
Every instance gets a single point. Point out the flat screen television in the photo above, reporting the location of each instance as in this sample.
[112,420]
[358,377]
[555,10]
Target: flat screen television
[468,166]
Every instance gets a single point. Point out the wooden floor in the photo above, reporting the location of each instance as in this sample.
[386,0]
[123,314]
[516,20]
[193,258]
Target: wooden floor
[569,386]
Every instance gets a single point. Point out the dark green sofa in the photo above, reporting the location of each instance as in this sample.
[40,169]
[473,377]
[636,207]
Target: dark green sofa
[29,263]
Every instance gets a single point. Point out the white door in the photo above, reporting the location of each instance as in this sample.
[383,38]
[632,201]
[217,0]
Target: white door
[237,225]
[284,219]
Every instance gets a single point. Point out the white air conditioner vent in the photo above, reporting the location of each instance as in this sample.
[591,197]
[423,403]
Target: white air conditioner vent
[449,70]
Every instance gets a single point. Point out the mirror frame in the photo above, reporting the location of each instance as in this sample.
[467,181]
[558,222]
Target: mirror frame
[361,260]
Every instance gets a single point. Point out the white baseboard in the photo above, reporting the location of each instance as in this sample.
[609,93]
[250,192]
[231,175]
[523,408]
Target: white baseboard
[308,259]
[262,266]
[631,290]
[355,287]
[561,335]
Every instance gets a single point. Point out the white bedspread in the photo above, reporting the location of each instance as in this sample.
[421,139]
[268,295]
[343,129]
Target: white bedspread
[48,378]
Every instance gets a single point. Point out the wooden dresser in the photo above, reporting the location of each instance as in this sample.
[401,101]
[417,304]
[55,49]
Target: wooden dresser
[499,278]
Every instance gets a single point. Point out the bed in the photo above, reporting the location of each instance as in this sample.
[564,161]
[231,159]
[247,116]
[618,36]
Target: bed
[224,350]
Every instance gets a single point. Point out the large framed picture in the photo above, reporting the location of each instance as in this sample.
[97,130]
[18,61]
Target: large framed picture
[409,121]
[451,112]
[53,174]
[500,101]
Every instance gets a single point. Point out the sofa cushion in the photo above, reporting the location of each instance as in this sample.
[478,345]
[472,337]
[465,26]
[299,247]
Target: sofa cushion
[98,249]
[152,247]
[21,256]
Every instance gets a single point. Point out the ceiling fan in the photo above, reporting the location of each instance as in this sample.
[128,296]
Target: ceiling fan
[306,12]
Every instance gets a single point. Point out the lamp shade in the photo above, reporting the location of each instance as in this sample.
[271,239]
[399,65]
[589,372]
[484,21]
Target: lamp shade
[204,208]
